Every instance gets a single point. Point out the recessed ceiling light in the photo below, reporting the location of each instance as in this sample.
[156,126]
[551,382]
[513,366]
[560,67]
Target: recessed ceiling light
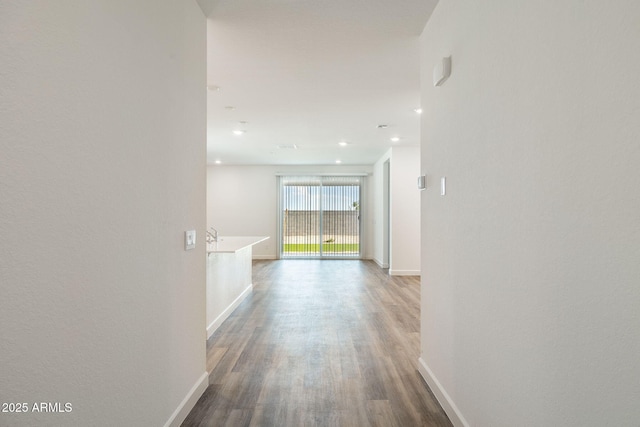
[395,139]
[343,143]
[418,110]
[383,126]
[239,132]
[218,162]
[338,161]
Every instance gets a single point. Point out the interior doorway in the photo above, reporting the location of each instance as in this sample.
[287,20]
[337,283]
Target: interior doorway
[386,214]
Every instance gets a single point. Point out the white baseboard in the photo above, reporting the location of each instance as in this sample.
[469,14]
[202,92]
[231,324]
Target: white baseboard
[227,312]
[380,264]
[404,272]
[269,257]
[188,402]
[441,394]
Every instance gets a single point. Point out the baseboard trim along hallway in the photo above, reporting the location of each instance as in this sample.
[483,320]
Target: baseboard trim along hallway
[404,272]
[441,394]
[188,402]
[227,312]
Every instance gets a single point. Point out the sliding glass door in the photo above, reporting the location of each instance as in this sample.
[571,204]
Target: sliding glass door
[319,216]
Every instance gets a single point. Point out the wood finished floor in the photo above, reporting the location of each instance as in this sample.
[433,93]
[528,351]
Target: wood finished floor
[319,343]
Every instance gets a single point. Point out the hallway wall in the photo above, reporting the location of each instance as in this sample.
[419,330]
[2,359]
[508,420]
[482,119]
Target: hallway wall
[404,210]
[530,294]
[102,169]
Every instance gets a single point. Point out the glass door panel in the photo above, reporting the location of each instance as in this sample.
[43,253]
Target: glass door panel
[320,216]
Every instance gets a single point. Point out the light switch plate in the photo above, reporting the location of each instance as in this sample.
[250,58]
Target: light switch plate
[189,240]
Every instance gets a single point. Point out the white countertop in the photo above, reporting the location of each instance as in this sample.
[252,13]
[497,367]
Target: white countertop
[230,244]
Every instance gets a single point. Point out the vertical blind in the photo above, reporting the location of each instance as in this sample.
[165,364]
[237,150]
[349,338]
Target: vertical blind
[319,216]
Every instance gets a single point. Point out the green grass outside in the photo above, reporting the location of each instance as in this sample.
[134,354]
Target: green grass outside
[326,247]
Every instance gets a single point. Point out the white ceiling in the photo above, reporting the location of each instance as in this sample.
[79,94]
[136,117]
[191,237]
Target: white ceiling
[312,73]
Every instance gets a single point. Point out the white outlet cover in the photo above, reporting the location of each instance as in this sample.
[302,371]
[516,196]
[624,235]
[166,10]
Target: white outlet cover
[189,240]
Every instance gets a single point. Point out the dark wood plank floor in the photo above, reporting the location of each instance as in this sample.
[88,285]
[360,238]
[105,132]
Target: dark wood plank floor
[319,343]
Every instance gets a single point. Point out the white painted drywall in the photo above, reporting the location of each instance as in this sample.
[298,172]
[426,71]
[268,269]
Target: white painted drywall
[229,282]
[404,232]
[378,232]
[405,211]
[242,201]
[530,291]
[102,169]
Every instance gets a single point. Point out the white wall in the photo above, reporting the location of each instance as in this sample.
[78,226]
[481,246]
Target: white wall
[102,168]
[404,223]
[530,294]
[229,282]
[378,233]
[405,211]
[242,201]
